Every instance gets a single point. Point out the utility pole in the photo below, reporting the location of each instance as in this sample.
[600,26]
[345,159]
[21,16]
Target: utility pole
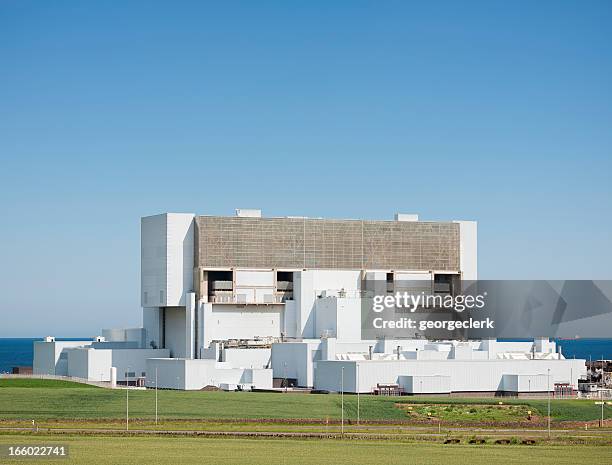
[548,382]
[155,395]
[357,368]
[342,401]
[127,400]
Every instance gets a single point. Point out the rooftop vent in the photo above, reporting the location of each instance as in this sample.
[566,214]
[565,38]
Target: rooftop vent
[406,217]
[248,212]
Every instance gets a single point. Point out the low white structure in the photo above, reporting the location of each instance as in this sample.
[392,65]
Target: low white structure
[51,356]
[93,360]
[249,302]
[487,367]
[193,374]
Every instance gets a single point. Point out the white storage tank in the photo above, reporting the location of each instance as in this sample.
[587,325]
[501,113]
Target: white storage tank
[113,376]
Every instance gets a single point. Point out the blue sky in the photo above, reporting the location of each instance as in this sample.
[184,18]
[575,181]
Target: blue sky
[495,111]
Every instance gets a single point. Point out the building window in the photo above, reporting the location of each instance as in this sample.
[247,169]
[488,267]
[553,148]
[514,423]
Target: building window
[145,297]
[161,297]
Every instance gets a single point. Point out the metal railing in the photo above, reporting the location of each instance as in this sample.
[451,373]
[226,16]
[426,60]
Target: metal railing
[243,299]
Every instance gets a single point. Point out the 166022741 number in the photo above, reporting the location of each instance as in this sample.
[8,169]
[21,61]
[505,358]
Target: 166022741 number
[34,451]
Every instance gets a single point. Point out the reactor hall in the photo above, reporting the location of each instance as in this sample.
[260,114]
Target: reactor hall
[248,302]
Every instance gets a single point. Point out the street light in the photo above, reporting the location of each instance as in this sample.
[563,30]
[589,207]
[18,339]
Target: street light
[155,395]
[342,401]
[127,399]
[357,369]
[548,383]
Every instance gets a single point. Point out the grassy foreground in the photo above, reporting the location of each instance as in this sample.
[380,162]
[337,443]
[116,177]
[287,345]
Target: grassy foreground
[37,399]
[186,451]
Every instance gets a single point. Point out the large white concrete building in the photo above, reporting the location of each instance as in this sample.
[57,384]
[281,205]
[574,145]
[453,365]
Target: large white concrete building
[251,302]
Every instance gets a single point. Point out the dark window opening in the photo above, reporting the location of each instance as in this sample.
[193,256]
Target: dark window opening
[220,285]
[284,285]
[447,284]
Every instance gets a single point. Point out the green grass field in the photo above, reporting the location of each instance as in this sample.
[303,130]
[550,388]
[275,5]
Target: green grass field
[36,399]
[186,451]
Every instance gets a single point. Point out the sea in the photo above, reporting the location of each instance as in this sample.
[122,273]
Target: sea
[20,351]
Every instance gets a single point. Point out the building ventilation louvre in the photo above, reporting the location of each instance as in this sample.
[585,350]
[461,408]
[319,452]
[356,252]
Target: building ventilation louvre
[249,242]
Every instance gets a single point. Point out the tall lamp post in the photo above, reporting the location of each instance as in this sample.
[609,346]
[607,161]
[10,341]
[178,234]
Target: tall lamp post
[127,399]
[155,395]
[548,382]
[357,369]
[342,402]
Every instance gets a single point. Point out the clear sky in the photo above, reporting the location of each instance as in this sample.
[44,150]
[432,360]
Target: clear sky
[499,112]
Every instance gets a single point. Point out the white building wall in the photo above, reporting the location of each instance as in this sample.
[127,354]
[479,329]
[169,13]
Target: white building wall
[175,339]
[290,319]
[134,360]
[296,360]
[166,259]
[190,313]
[224,321]
[44,358]
[170,373]
[194,374]
[436,384]
[466,376]
[303,293]
[527,383]
[99,364]
[90,363]
[78,363]
[468,249]
[349,319]
[200,373]
[180,255]
[338,317]
[247,358]
[151,322]
[153,256]
[48,357]
[204,327]
[255,286]
[261,379]
[326,317]
[136,335]
[309,284]
[95,364]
